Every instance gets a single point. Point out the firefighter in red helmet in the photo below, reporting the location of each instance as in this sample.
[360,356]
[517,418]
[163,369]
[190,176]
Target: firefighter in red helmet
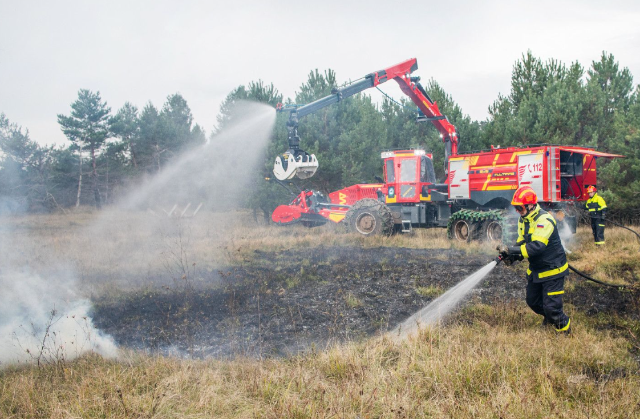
[539,241]
[597,208]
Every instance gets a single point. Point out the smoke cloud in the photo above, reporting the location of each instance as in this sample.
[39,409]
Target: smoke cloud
[44,306]
[43,319]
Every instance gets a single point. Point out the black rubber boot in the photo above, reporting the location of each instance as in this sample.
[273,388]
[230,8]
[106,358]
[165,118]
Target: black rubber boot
[565,330]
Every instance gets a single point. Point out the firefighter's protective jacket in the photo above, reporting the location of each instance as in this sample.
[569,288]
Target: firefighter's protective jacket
[539,242]
[596,206]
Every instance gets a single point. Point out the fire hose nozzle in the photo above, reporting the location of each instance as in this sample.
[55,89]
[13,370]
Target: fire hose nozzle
[502,253]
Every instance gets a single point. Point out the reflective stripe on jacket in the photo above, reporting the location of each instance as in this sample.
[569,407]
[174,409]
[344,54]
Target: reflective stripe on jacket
[539,242]
[596,205]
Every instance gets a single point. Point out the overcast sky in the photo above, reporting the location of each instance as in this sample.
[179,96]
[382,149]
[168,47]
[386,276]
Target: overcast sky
[140,51]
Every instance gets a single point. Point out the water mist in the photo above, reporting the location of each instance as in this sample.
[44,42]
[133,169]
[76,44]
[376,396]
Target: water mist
[44,308]
[435,311]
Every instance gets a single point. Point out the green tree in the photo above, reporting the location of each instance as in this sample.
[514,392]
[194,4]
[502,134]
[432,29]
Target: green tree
[87,126]
[610,90]
[620,178]
[254,91]
[176,123]
[126,126]
[26,169]
[547,104]
[552,103]
[152,146]
[64,175]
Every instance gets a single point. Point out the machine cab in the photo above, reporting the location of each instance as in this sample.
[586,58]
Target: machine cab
[405,173]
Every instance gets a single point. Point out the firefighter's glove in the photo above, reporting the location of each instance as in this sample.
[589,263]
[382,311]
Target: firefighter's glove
[503,254]
[510,254]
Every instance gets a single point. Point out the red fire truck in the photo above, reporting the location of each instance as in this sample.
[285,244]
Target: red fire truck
[474,200]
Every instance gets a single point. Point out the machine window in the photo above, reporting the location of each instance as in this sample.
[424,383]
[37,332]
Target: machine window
[408,170]
[391,174]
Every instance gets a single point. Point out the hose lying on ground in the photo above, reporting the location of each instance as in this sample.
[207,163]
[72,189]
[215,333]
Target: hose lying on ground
[620,225]
[582,274]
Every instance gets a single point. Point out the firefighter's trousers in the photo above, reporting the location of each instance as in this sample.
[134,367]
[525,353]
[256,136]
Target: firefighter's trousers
[545,298]
[597,227]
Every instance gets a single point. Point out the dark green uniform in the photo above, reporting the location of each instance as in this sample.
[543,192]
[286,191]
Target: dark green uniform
[539,242]
[597,208]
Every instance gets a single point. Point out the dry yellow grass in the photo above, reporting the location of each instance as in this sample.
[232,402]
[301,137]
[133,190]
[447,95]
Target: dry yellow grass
[491,362]
[130,248]
[499,366]
[618,261]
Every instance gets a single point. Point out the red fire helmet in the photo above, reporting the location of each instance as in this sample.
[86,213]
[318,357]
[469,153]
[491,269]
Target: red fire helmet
[591,188]
[524,195]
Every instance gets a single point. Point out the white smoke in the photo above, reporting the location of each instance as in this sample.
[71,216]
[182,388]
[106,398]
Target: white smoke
[42,319]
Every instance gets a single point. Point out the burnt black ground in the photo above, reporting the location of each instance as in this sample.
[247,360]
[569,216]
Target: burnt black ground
[286,302]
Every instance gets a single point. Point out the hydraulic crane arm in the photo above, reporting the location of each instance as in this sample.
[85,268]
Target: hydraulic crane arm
[298,162]
[411,87]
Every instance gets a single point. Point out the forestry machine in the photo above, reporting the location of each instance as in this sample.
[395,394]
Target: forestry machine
[297,162]
[474,201]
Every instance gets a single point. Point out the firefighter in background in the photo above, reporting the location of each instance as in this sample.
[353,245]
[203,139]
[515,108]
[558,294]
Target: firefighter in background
[597,208]
[539,241]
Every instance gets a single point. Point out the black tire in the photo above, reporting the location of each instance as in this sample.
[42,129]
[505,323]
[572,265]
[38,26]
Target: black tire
[464,226]
[461,227]
[369,217]
[492,228]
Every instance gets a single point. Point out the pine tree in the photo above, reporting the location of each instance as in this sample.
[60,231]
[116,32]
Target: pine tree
[87,126]
[26,169]
[126,126]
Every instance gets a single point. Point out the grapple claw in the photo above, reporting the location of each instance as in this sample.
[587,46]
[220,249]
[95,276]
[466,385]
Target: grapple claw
[289,165]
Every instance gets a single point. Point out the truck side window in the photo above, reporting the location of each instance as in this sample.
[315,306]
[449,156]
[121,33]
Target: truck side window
[427,174]
[391,174]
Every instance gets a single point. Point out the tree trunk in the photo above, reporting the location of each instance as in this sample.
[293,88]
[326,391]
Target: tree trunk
[106,183]
[133,155]
[96,191]
[158,157]
[79,180]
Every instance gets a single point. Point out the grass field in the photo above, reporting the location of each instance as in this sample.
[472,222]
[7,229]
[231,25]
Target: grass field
[488,362]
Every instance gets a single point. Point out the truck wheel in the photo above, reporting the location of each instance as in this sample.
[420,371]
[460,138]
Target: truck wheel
[369,217]
[461,230]
[492,230]
[463,226]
